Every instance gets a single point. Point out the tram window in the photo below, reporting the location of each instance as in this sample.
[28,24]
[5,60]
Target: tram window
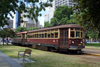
[45,35]
[72,33]
[52,35]
[71,28]
[77,34]
[77,28]
[42,35]
[61,34]
[56,29]
[39,35]
[66,34]
[48,35]
[81,34]
[35,35]
[30,36]
[56,35]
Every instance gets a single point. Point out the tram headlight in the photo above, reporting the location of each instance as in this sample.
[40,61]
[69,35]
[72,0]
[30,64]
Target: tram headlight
[81,42]
[72,42]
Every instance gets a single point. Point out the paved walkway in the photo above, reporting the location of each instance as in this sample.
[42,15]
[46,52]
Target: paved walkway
[6,61]
[93,51]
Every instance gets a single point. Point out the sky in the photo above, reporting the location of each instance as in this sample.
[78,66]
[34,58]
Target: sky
[41,18]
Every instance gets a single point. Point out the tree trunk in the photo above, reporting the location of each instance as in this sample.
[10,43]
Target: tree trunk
[7,40]
[3,41]
[99,36]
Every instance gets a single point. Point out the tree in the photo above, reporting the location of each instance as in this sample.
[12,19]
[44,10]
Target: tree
[62,14]
[9,6]
[53,20]
[20,29]
[93,34]
[47,24]
[5,33]
[2,35]
[88,13]
[32,28]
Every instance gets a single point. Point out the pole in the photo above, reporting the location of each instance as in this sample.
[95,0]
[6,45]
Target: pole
[90,41]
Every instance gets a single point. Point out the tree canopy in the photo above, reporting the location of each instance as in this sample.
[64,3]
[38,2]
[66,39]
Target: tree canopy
[62,14]
[20,29]
[6,33]
[88,13]
[46,24]
[7,7]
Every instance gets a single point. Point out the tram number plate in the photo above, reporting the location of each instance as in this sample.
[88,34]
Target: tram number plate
[79,44]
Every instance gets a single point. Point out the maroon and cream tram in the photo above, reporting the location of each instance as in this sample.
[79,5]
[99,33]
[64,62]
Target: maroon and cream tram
[63,37]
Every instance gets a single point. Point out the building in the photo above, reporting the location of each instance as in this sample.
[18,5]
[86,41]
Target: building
[17,22]
[56,3]
[46,17]
[63,2]
[9,26]
[27,22]
[10,22]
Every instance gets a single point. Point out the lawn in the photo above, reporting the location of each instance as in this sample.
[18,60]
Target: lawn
[93,45]
[48,59]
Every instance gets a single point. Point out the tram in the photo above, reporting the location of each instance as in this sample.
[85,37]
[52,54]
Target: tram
[62,37]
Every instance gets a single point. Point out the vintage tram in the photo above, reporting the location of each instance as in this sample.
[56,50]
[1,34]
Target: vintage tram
[63,37]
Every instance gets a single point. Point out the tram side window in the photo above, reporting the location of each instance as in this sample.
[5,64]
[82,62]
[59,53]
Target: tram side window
[18,36]
[28,36]
[77,28]
[35,35]
[56,35]
[45,35]
[72,33]
[31,36]
[81,34]
[52,35]
[39,35]
[48,35]
[42,35]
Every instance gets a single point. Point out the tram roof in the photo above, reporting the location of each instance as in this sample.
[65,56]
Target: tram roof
[22,32]
[58,27]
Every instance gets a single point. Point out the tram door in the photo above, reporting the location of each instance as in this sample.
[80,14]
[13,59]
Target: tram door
[23,38]
[64,38]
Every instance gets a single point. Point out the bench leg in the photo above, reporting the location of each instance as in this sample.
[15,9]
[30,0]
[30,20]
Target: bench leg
[18,56]
[23,58]
[30,58]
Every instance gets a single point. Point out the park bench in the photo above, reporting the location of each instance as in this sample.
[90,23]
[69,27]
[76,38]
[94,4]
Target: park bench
[26,53]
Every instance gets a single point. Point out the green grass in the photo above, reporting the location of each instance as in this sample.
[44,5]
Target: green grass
[92,44]
[48,59]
